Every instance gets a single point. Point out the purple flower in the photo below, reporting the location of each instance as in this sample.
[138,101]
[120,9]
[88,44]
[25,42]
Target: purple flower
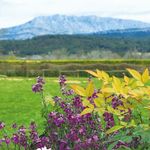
[2,125]
[57,99]
[116,102]
[77,102]
[14,126]
[40,80]
[32,126]
[95,138]
[59,121]
[15,138]
[7,140]
[108,117]
[63,145]
[62,80]
[89,141]
[1,141]
[38,87]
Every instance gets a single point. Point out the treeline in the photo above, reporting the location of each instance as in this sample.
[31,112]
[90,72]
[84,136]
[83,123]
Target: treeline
[75,44]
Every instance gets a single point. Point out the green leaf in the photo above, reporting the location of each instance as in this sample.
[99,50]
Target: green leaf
[110,147]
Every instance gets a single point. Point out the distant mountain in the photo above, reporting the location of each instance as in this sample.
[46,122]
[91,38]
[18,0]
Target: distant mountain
[135,32]
[69,25]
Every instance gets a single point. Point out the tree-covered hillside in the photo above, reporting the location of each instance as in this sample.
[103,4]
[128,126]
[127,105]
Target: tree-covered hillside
[75,44]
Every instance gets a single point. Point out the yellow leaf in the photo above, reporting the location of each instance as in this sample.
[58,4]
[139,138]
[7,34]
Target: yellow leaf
[86,102]
[99,73]
[147,108]
[123,123]
[100,111]
[105,76]
[128,105]
[113,129]
[91,72]
[79,90]
[126,79]
[135,74]
[107,90]
[145,126]
[139,83]
[87,110]
[131,124]
[137,94]
[49,100]
[99,102]
[114,111]
[90,89]
[145,76]
[117,84]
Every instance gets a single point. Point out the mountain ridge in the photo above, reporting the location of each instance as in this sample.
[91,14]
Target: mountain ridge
[68,25]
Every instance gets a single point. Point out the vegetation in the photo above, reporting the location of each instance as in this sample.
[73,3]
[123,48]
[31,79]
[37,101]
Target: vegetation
[54,68]
[107,113]
[74,46]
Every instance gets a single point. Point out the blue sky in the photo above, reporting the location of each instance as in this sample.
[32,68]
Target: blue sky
[15,12]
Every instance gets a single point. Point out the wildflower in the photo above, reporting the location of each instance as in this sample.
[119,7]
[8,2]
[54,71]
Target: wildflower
[57,99]
[62,81]
[44,148]
[108,117]
[7,140]
[32,126]
[15,138]
[40,80]
[116,102]
[63,145]
[2,125]
[14,126]
[38,87]
[95,138]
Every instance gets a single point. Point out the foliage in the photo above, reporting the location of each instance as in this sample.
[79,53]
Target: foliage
[125,101]
[75,44]
[54,68]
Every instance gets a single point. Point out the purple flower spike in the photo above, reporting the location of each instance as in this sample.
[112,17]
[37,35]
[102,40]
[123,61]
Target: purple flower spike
[62,81]
[38,87]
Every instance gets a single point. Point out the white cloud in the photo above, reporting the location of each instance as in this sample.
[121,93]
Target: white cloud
[13,12]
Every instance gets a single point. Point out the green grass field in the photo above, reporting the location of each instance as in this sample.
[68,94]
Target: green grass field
[18,104]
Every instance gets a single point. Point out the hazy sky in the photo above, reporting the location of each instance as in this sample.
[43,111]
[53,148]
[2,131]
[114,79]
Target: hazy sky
[14,12]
